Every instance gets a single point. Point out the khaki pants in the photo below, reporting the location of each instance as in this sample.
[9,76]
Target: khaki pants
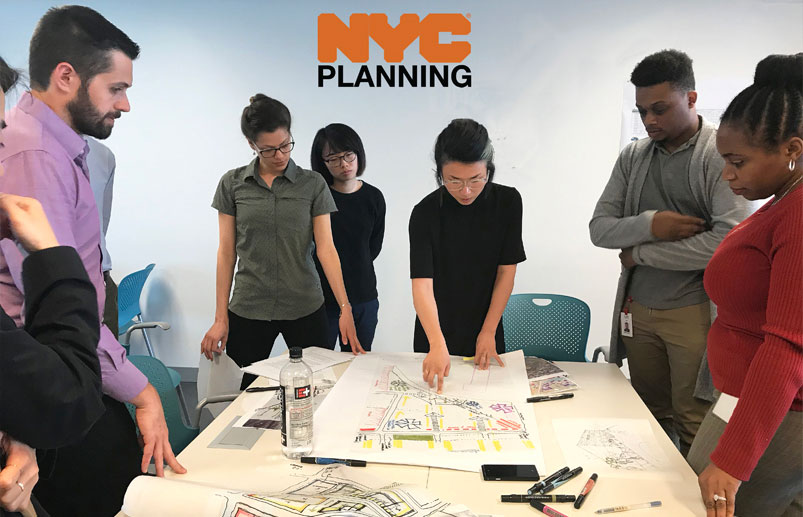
[664,357]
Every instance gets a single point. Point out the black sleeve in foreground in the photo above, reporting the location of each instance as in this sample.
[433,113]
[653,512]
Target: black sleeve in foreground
[421,250]
[50,392]
[513,246]
[378,234]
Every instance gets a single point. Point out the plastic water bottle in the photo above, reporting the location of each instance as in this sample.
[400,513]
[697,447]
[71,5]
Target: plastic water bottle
[296,398]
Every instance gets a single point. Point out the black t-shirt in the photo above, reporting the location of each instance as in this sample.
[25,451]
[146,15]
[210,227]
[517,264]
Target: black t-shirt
[358,228]
[460,248]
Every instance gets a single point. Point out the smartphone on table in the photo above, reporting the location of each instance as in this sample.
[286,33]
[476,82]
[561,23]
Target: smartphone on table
[510,473]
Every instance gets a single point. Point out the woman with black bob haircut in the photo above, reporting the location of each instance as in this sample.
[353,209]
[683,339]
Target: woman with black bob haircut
[358,228]
[465,243]
[750,440]
[270,212]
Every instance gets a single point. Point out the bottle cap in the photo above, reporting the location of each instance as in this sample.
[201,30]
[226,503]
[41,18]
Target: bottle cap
[295,352]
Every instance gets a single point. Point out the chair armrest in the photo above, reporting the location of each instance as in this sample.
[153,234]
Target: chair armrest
[604,350]
[214,399]
[144,325]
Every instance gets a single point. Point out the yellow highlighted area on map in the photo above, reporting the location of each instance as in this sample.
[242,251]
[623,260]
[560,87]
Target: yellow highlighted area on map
[481,444]
[529,444]
[397,444]
[430,444]
[497,445]
[447,446]
[367,444]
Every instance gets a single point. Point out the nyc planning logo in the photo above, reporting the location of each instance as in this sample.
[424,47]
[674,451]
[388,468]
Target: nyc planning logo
[353,41]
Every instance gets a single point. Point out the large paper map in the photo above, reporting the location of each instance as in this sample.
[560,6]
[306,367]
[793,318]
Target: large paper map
[333,491]
[382,411]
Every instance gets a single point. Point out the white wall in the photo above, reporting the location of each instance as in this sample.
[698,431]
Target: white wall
[547,83]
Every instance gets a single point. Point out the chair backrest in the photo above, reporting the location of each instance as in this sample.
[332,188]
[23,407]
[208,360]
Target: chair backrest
[550,326]
[159,377]
[128,293]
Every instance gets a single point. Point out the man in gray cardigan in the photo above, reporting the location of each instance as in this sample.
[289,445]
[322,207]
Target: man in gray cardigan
[666,207]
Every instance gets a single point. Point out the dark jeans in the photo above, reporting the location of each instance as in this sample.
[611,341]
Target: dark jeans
[252,340]
[366,316]
[90,478]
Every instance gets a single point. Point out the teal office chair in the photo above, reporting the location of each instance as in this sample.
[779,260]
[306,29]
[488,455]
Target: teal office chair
[550,326]
[156,372]
[128,310]
[175,377]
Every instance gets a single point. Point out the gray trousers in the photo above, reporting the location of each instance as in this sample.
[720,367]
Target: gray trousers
[776,486]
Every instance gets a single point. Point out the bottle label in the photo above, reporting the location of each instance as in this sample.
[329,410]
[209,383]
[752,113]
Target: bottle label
[303,392]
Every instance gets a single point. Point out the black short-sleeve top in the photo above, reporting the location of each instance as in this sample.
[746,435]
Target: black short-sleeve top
[276,277]
[460,248]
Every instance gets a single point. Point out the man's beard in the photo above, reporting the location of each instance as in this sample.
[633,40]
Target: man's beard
[87,119]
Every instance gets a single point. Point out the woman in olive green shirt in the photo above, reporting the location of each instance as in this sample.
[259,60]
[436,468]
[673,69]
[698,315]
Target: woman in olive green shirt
[270,213]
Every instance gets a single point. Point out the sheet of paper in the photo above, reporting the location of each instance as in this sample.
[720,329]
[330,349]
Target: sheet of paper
[620,447]
[382,411]
[315,357]
[552,385]
[265,411]
[540,369]
[334,490]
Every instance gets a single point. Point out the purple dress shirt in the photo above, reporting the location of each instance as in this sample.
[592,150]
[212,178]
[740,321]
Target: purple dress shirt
[46,159]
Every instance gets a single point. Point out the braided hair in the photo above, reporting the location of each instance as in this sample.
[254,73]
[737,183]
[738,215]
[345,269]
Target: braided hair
[771,109]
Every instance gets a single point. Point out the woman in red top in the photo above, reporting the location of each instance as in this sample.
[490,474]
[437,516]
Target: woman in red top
[752,439]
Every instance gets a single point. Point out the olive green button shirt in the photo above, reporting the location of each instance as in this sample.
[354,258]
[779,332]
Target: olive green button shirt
[276,277]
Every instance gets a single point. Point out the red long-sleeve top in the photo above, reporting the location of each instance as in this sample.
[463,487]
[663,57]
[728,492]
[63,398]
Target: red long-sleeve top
[755,346]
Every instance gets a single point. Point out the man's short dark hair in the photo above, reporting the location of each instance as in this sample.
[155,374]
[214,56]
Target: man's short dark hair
[672,66]
[8,76]
[79,36]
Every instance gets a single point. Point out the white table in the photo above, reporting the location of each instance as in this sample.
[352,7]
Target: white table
[604,393]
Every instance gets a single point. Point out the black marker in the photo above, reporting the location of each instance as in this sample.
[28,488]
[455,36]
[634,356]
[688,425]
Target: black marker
[521,498]
[545,398]
[564,478]
[262,388]
[538,486]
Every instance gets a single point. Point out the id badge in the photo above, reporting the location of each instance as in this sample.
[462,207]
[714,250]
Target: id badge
[626,324]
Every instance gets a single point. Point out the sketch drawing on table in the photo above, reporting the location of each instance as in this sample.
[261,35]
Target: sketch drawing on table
[332,491]
[402,414]
[613,446]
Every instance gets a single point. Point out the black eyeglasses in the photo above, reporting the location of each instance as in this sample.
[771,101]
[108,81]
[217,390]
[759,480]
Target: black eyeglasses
[348,157]
[270,152]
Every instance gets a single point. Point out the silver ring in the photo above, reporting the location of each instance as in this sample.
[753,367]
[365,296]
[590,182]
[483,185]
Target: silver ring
[22,487]
[718,497]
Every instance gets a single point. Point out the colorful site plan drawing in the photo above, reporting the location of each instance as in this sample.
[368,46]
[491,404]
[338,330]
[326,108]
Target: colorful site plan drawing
[382,411]
[332,491]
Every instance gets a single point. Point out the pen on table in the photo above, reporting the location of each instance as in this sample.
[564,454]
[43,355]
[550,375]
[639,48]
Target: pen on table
[552,477]
[330,461]
[546,510]
[613,509]
[586,489]
[564,478]
[262,388]
[544,398]
[526,498]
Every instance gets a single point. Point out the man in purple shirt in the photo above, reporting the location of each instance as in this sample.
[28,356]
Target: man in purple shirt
[80,68]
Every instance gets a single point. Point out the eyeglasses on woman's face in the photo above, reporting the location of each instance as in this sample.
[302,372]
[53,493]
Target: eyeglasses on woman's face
[455,185]
[270,152]
[333,160]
